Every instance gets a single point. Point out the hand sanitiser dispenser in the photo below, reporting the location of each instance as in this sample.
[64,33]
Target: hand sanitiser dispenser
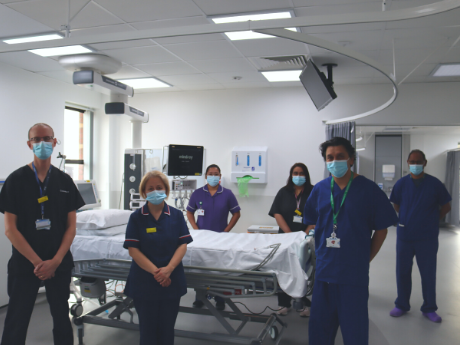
[249,161]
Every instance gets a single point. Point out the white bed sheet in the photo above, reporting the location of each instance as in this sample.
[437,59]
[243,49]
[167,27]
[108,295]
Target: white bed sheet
[112,231]
[222,250]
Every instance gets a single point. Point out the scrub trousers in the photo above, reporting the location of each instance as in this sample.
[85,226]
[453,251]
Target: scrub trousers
[425,252]
[23,290]
[335,305]
[157,320]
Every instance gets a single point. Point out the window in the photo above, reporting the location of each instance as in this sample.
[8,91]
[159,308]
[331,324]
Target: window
[77,143]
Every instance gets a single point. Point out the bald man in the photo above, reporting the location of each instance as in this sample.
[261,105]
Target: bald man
[39,202]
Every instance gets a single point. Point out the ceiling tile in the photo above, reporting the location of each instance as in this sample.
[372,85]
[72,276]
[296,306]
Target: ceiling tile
[169,68]
[142,55]
[343,28]
[223,65]
[216,7]
[300,3]
[203,50]
[49,12]
[128,72]
[30,62]
[270,47]
[191,38]
[14,24]
[228,77]
[201,87]
[92,16]
[352,80]
[323,8]
[247,85]
[180,80]
[123,44]
[170,23]
[144,10]
[157,90]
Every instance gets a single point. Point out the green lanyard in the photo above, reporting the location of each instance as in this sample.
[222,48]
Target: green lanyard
[335,215]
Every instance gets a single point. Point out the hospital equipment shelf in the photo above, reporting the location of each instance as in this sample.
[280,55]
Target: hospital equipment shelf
[226,283]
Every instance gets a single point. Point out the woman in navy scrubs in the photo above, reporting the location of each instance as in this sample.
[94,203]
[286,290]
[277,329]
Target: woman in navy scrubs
[157,238]
[287,209]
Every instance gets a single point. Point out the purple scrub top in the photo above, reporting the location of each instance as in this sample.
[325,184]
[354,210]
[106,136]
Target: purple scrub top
[216,207]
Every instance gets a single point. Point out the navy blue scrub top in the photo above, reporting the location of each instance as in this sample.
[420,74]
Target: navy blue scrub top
[419,207]
[158,241]
[366,208]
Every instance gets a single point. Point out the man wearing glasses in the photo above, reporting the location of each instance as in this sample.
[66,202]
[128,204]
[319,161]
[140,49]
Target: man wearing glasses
[421,200]
[39,202]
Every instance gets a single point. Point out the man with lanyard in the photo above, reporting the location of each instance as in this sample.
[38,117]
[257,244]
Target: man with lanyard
[39,202]
[345,208]
[421,201]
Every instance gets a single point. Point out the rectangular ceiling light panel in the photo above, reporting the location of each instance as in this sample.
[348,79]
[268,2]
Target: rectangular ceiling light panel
[144,83]
[277,76]
[249,35]
[254,17]
[59,51]
[33,39]
[447,70]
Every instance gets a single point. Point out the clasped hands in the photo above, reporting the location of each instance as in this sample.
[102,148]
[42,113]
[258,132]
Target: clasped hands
[46,269]
[162,276]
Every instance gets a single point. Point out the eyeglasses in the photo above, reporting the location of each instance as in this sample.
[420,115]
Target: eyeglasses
[39,139]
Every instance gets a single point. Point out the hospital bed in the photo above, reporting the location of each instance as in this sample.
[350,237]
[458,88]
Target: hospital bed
[229,265]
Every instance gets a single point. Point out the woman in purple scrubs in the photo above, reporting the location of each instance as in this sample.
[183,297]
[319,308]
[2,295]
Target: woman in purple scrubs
[213,203]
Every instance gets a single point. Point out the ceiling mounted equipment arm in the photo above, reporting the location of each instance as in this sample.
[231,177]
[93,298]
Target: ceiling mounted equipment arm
[318,42]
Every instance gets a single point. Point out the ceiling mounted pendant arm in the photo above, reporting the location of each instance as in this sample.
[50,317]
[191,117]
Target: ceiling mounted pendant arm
[318,42]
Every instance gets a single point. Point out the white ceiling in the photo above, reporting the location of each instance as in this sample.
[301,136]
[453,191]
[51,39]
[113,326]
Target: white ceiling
[211,61]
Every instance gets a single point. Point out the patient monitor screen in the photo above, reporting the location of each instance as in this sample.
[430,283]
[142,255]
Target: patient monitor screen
[87,193]
[184,160]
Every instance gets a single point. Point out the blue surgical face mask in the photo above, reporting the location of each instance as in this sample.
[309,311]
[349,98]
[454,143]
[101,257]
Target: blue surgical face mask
[213,180]
[156,197]
[299,180]
[43,150]
[416,169]
[338,168]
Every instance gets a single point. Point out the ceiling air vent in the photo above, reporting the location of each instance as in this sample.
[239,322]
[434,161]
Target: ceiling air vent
[280,63]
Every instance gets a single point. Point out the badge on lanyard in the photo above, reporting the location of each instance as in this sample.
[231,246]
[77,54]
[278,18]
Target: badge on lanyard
[200,210]
[334,241]
[298,217]
[42,224]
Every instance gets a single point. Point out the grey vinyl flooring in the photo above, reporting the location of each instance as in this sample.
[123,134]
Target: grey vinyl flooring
[412,328]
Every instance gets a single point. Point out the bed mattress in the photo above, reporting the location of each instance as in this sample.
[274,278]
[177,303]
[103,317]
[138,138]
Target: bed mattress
[240,251]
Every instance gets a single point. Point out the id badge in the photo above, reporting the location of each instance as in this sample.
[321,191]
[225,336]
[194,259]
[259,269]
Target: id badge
[333,242]
[297,219]
[200,212]
[43,224]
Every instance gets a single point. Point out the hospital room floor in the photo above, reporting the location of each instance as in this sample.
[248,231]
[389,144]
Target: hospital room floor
[412,328]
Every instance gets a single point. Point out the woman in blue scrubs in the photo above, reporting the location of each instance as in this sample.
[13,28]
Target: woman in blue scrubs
[287,209]
[157,238]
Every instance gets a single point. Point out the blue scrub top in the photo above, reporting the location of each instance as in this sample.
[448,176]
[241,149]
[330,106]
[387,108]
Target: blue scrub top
[366,208]
[216,207]
[158,241]
[419,207]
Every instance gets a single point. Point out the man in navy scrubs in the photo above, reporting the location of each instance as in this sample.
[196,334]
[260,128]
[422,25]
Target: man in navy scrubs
[421,200]
[345,208]
[39,202]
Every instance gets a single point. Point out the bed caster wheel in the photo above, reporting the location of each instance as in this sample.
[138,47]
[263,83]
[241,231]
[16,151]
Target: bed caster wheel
[274,332]
[76,310]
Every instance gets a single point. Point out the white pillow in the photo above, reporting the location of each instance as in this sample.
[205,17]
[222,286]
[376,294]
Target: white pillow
[102,219]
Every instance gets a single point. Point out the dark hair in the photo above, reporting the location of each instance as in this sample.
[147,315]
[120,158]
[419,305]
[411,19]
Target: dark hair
[40,124]
[211,166]
[290,184]
[417,151]
[337,141]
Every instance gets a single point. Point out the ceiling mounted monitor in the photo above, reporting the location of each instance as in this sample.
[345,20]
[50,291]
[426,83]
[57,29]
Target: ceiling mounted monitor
[317,85]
